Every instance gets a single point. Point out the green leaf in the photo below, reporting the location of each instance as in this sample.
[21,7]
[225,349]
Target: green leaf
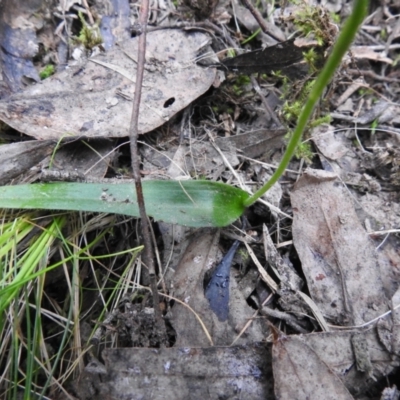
[190,203]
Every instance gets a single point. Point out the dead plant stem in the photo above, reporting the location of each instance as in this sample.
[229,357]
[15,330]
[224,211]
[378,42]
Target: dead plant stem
[133,134]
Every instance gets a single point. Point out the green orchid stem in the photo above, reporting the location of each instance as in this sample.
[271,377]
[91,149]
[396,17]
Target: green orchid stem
[340,48]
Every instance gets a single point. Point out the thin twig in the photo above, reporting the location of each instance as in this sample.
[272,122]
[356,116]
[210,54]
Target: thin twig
[270,112]
[250,321]
[90,16]
[372,74]
[133,134]
[202,25]
[289,319]
[260,20]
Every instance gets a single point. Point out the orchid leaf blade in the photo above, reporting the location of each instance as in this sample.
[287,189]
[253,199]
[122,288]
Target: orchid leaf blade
[189,203]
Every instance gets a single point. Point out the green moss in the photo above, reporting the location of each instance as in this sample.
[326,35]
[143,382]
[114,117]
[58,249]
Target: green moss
[304,151]
[313,59]
[89,36]
[314,22]
[335,18]
[326,119]
[47,71]
[240,83]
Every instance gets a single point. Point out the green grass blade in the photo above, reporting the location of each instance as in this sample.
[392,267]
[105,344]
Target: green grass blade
[190,203]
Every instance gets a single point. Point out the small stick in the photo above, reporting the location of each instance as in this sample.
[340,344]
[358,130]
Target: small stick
[205,25]
[268,109]
[90,16]
[133,134]
[260,20]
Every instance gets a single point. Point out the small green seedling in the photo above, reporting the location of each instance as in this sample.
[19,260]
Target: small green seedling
[251,37]
[374,125]
[231,53]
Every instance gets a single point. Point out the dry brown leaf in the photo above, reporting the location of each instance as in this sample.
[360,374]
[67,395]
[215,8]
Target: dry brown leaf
[364,52]
[197,158]
[313,363]
[255,143]
[95,100]
[382,111]
[338,257]
[324,138]
[300,374]
[86,159]
[200,256]
[337,155]
[336,349]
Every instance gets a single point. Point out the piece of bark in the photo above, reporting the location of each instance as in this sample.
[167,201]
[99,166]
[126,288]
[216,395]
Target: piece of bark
[182,373]
[17,158]
[18,42]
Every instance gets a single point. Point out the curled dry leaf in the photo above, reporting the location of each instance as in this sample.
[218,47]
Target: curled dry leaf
[95,100]
[82,159]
